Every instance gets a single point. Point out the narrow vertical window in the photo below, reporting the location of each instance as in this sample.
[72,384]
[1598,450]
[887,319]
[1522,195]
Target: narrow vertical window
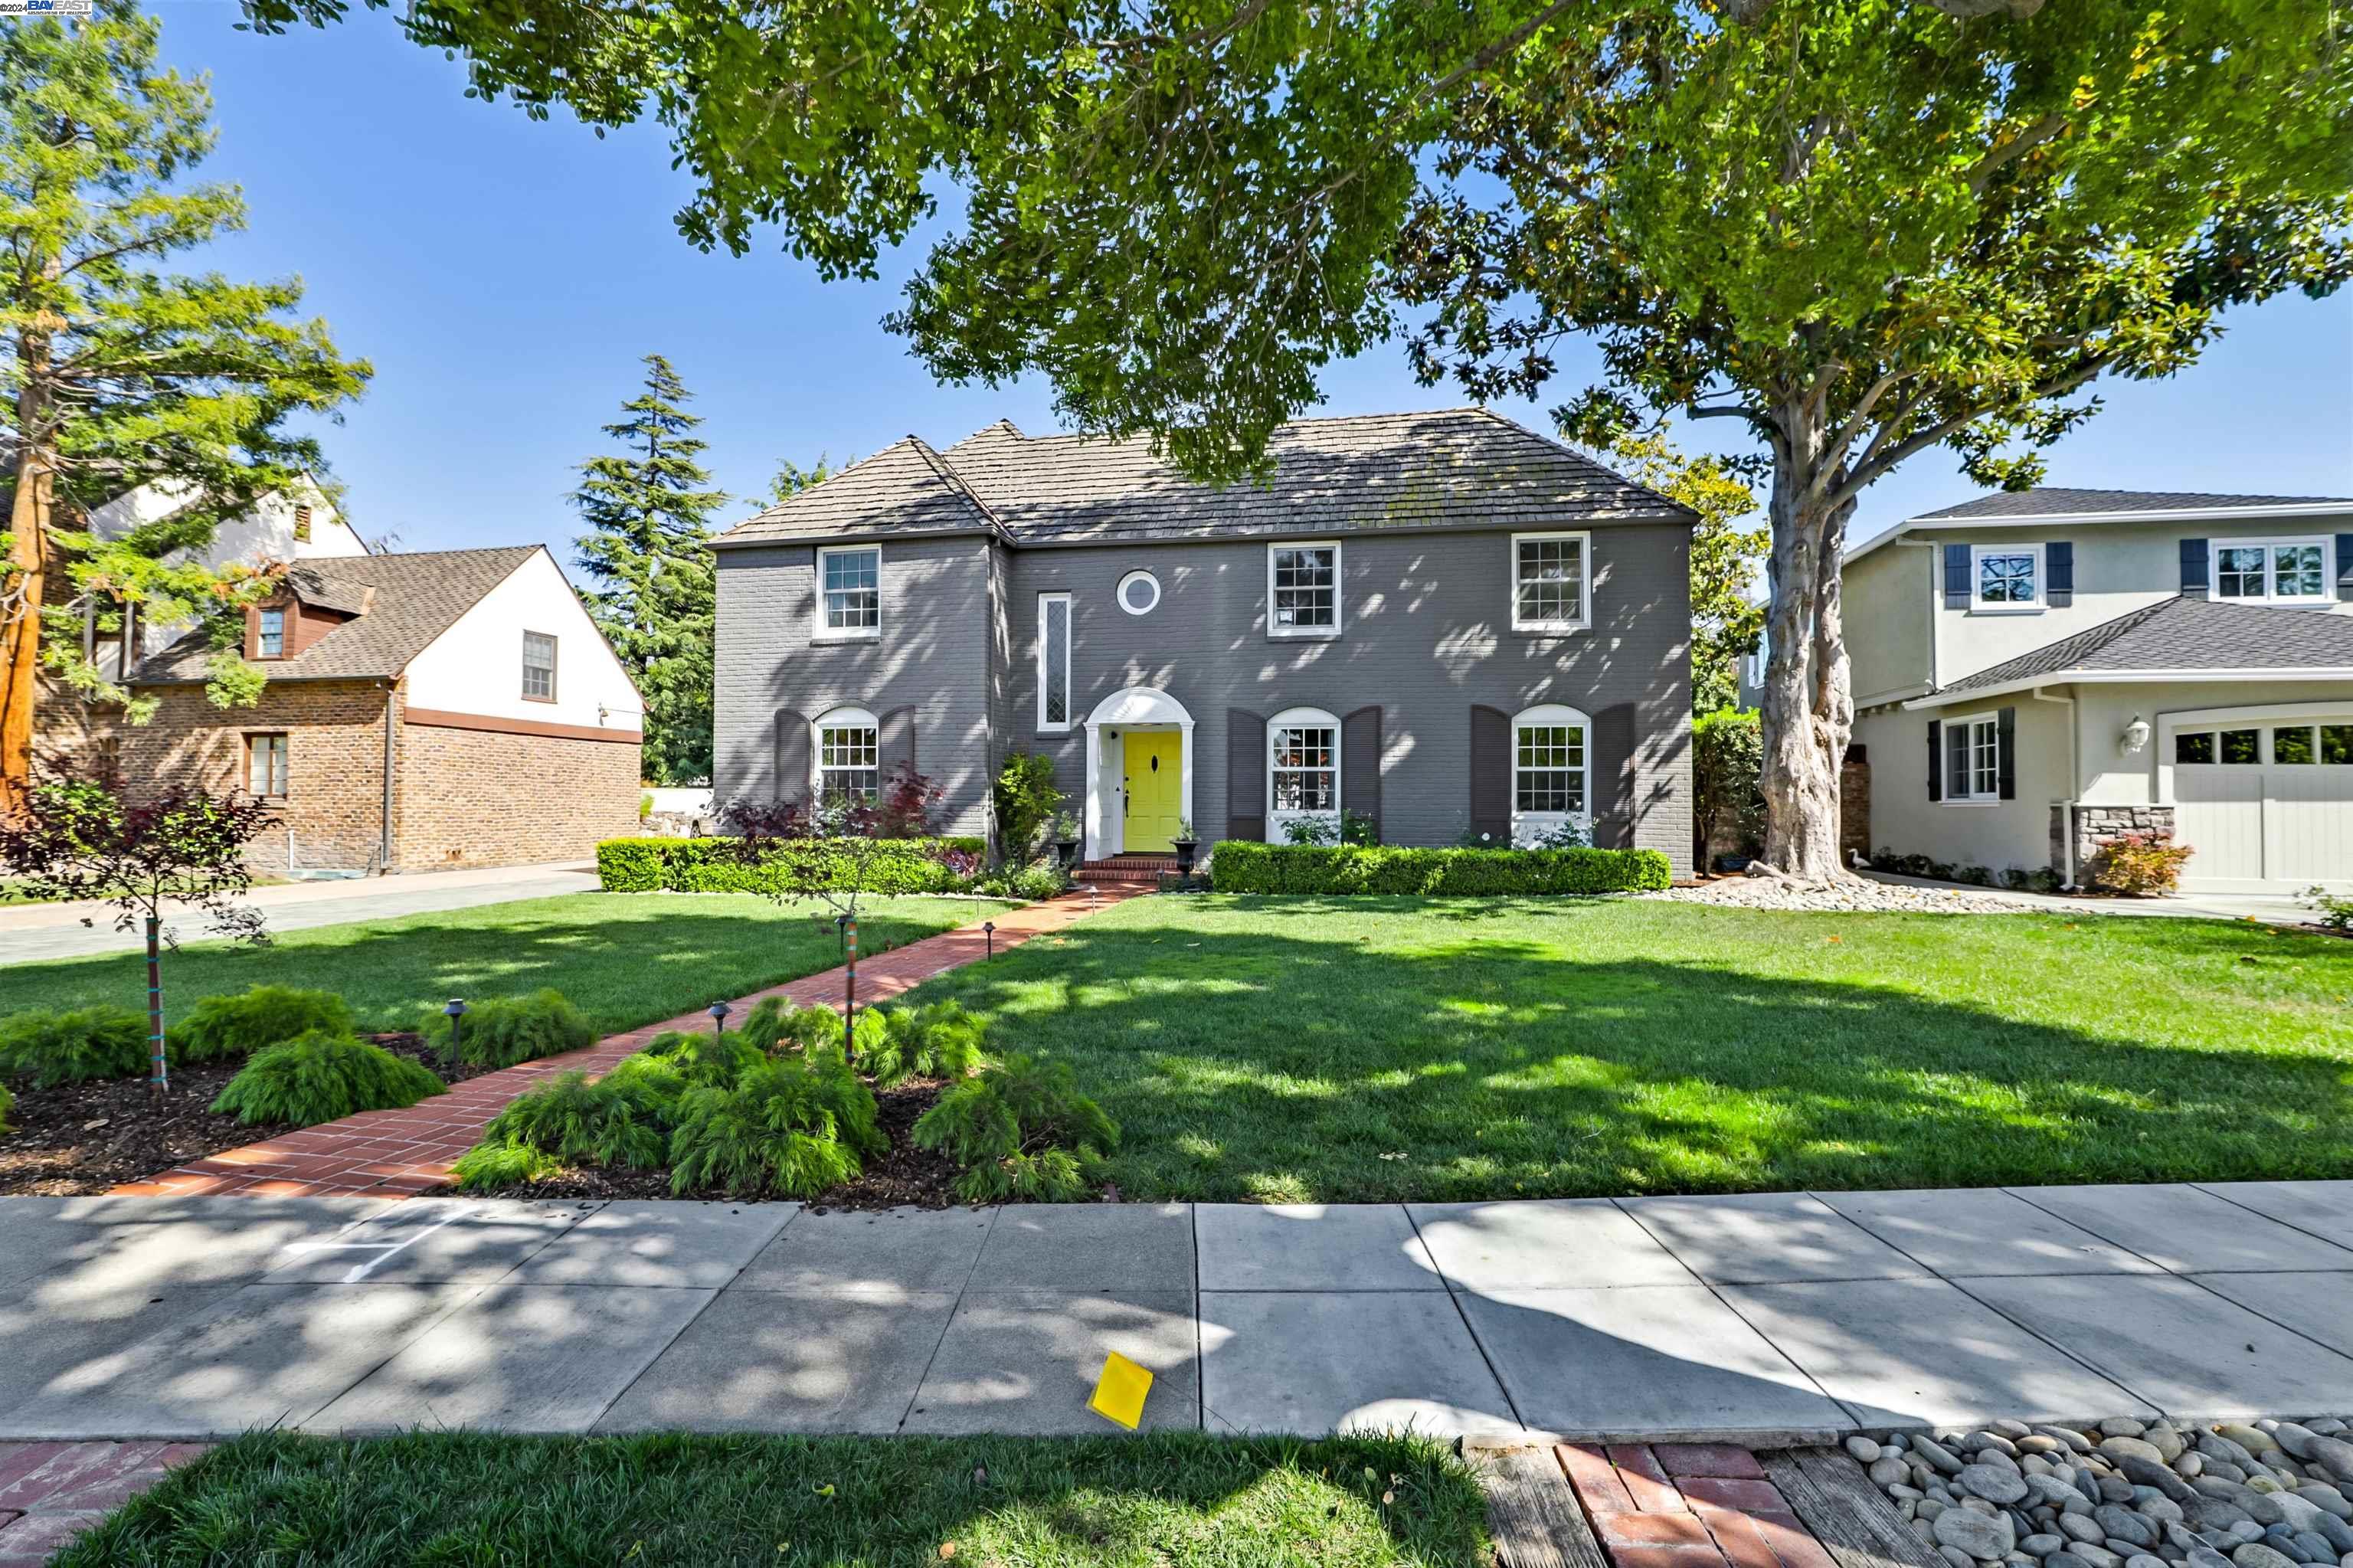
[538,667]
[265,765]
[270,635]
[301,524]
[1053,661]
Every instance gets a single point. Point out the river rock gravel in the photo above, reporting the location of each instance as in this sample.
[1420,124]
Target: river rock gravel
[1851,895]
[2123,1493]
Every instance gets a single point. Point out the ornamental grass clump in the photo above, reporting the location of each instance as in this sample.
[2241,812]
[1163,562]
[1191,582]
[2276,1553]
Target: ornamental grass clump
[74,1046]
[487,1167]
[506,1029]
[623,1121]
[320,1075]
[702,1061]
[939,1040]
[1021,1130]
[239,1025]
[775,1026]
[788,1128]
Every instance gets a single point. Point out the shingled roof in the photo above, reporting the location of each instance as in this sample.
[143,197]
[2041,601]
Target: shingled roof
[2064,506]
[2188,635]
[414,598]
[1450,468]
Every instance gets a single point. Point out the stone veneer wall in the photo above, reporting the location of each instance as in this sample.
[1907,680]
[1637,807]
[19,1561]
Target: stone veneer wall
[472,796]
[2096,827]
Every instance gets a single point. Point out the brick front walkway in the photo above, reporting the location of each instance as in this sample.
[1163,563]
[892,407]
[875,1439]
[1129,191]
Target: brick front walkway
[1687,1505]
[51,1492]
[397,1153]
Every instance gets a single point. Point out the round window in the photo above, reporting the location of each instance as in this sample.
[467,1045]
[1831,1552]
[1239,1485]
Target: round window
[1138,592]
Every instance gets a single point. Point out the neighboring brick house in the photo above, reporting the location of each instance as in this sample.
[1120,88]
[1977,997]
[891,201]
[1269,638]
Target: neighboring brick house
[426,711]
[1440,620]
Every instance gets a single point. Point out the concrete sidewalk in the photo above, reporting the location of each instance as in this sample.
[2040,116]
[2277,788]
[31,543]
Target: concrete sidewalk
[1760,1318]
[30,933]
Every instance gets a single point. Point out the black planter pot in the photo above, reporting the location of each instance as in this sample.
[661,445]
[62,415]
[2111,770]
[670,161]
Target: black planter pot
[1069,849]
[1186,849]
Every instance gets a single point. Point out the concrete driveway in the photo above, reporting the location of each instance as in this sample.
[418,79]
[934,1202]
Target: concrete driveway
[2273,908]
[30,933]
[1759,1317]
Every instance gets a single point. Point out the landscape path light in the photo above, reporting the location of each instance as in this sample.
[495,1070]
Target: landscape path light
[719,1011]
[456,1013]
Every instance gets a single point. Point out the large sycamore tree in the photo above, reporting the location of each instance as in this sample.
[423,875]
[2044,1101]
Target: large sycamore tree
[1854,229]
[115,374]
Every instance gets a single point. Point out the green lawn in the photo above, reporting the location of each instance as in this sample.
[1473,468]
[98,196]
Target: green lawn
[626,959]
[276,1500]
[1359,1049]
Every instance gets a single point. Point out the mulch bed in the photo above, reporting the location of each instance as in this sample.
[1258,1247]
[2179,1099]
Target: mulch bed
[906,1177]
[80,1138]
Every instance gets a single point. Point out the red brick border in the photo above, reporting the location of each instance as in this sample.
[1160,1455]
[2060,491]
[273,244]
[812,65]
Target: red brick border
[51,1492]
[1687,1505]
[397,1154]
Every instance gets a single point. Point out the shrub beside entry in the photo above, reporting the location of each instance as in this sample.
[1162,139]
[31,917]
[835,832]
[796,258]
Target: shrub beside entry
[716,865]
[322,1076]
[74,1046]
[1245,866]
[506,1029]
[221,1026]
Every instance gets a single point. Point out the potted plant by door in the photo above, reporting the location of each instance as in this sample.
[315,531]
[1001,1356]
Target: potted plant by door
[1066,839]
[1185,844]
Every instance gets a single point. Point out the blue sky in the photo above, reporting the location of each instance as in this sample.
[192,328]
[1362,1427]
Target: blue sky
[506,276]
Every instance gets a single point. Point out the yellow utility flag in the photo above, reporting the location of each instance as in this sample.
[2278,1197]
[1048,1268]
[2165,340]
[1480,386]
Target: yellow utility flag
[1120,1391]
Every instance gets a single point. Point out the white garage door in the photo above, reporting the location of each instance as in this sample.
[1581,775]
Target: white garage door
[2268,807]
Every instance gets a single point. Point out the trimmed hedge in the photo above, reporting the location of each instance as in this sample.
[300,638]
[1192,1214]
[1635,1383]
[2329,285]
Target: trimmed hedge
[713,865]
[1238,865]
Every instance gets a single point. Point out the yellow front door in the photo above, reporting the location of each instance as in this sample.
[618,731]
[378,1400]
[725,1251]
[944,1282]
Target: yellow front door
[1156,772]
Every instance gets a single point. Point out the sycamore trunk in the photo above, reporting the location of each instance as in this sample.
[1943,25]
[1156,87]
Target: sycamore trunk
[1808,706]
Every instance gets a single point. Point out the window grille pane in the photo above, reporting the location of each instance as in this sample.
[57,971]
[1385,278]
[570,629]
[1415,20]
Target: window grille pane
[848,762]
[1058,660]
[2239,572]
[1986,774]
[1550,773]
[1306,592]
[1551,579]
[538,665]
[2006,579]
[853,598]
[2292,745]
[2240,746]
[1304,780]
[2296,571]
[2337,745]
[2193,747]
[271,642]
[1957,760]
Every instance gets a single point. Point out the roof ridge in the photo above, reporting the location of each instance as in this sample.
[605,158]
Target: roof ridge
[955,481]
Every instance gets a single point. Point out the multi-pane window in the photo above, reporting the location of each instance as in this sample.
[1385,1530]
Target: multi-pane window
[270,636]
[850,596]
[538,667]
[265,765]
[1549,770]
[2294,745]
[1053,661]
[1305,777]
[2007,577]
[1973,759]
[848,762]
[301,524]
[2197,748]
[2337,745]
[1303,591]
[2273,571]
[1549,581]
[2241,746]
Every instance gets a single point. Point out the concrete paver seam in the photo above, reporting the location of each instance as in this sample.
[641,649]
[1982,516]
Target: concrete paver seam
[2080,1358]
[2087,1230]
[2225,1197]
[1201,1355]
[995,1213]
[1854,1415]
[1454,1300]
[457,1304]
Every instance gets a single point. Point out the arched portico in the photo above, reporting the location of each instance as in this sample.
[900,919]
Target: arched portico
[1131,711]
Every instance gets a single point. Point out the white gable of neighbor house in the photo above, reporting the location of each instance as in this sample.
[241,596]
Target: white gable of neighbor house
[263,532]
[476,666]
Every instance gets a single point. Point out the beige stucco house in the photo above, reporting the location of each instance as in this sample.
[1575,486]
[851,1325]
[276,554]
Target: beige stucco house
[2036,673]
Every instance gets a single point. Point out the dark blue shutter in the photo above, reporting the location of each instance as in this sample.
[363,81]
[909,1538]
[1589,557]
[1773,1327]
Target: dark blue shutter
[1957,577]
[2193,568]
[2059,566]
[1935,760]
[1491,775]
[2345,567]
[1245,774]
[792,777]
[2005,730]
[1360,764]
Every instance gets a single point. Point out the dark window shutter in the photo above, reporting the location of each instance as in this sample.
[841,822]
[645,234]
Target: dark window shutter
[1613,776]
[792,775]
[2193,568]
[1935,760]
[2345,567]
[2059,566]
[894,742]
[1245,774]
[2004,733]
[1491,774]
[1957,577]
[1360,764]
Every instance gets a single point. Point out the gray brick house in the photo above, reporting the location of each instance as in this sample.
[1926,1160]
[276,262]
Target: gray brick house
[1440,620]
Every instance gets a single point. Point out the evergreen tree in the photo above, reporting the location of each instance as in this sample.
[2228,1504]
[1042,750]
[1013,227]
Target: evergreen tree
[115,373]
[792,479]
[1726,560]
[649,552]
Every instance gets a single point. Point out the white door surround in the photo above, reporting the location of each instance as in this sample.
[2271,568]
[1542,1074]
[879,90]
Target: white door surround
[1132,707]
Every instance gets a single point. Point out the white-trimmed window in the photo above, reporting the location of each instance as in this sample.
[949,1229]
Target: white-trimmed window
[1139,593]
[2005,579]
[1053,661]
[1303,590]
[2276,571]
[1303,770]
[1552,582]
[269,634]
[1552,771]
[265,765]
[848,593]
[1973,760]
[538,667]
[848,755]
